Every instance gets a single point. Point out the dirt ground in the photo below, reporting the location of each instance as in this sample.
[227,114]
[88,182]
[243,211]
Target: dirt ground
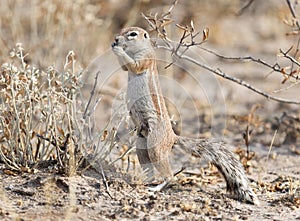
[212,106]
[198,194]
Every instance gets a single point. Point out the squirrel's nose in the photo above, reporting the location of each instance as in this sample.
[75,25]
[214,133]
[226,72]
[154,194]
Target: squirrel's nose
[116,42]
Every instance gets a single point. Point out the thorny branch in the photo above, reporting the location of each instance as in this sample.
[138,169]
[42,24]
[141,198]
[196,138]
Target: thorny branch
[187,40]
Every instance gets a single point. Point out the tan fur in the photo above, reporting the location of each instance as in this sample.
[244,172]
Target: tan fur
[149,114]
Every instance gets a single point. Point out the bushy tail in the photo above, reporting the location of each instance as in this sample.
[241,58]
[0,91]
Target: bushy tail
[226,162]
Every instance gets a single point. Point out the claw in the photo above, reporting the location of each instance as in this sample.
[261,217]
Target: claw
[158,187]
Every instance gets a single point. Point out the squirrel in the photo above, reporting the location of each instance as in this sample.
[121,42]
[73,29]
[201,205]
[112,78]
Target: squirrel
[155,136]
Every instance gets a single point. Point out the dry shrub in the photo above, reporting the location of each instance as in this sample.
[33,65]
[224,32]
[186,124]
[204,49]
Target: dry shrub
[42,115]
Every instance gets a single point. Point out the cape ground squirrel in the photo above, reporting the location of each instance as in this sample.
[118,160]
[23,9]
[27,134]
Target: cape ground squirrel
[148,111]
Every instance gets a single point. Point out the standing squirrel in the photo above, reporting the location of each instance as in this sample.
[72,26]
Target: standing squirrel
[148,112]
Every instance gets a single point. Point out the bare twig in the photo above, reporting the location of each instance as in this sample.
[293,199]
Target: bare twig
[123,155]
[247,5]
[91,95]
[105,181]
[179,171]
[247,138]
[275,67]
[158,23]
[287,88]
[292,59]
[188,31]
[234,79]
[171,8]
[239,81]
[293,13]
[271,145]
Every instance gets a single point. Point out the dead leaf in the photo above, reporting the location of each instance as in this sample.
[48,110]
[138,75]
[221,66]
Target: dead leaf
[205,34]
[10,172]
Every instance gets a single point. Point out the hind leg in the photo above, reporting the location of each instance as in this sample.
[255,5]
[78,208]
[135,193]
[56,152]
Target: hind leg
[145,162]
[159,156]
[158,152]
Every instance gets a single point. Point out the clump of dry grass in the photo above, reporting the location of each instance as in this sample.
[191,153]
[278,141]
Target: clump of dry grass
[42,115]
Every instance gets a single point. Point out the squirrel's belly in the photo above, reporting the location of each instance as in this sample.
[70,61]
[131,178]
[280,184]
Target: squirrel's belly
[139,99]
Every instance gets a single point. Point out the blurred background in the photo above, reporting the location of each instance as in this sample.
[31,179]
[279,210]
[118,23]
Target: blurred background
[49,29]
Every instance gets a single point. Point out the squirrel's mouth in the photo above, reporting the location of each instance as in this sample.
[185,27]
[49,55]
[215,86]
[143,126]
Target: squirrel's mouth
[114,44]
[118,43]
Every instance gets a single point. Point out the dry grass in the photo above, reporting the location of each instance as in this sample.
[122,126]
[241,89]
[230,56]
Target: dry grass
[44,111]
[41,114]
[49,29]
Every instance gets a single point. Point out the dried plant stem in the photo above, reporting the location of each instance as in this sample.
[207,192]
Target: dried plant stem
[231,78]
[92,93]
[105,181]
[287,88]
[293,13]
[123,155]
[187,40]
[292,59]
[271,145]
[275,67]
[245,7]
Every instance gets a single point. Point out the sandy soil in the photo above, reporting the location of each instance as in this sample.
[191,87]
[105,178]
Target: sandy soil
[199,193]
[48,196]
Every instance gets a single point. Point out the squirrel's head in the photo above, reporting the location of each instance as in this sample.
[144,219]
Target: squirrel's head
[133,39]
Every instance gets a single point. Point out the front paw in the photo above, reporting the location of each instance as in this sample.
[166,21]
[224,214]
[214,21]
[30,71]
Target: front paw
[118,50]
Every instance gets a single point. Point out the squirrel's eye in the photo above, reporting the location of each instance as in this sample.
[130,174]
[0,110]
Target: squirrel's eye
[133,34]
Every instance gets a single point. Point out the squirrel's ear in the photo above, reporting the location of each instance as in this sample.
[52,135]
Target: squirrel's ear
[146,35]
